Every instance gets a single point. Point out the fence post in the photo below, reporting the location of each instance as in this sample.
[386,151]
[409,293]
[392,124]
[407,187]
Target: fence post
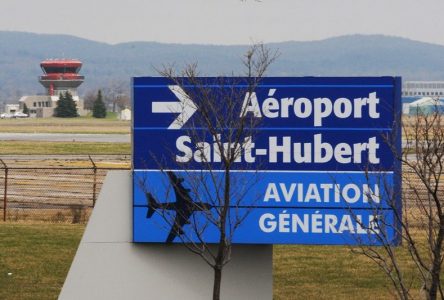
[95,181]
[5,191]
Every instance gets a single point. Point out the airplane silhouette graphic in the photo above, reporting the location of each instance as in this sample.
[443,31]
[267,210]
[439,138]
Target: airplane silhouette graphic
[184,206]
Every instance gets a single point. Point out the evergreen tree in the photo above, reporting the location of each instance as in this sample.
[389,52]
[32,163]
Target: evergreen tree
[25,109]
[99,109]
[66,107]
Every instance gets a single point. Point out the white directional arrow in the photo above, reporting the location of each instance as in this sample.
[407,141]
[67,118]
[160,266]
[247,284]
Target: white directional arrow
[185,107]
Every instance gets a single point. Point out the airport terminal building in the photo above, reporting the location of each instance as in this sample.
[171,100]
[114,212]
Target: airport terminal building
[423,95]
[420,89]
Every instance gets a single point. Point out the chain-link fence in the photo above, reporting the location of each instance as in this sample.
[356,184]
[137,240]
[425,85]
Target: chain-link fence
[53,189]
[419,190]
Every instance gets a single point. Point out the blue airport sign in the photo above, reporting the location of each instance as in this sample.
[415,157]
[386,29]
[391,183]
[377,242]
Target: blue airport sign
[319,168]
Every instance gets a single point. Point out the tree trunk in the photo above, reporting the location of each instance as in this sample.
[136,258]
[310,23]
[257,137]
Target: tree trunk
[435,280]
[433,285]
[217,282]
[433,291]
[222,247]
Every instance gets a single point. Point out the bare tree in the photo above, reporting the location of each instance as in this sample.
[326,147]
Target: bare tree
[115,94]
[122,101]
[421,220]
[214,196]
[89,98]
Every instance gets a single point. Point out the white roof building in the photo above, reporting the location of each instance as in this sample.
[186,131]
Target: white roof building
[425,105]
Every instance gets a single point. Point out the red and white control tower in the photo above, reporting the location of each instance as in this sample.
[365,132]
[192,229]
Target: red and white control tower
[61,75]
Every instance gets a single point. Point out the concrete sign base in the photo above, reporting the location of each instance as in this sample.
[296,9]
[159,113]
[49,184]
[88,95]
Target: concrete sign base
[108,265]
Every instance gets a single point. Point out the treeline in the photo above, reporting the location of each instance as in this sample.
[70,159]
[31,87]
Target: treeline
[67,107]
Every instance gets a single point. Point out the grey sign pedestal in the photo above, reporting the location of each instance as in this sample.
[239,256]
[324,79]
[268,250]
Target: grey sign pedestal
[108,265]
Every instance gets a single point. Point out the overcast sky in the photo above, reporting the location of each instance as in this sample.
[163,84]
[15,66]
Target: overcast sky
[225,21]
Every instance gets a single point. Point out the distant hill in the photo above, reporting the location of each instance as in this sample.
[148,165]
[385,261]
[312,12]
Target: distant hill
[105,64]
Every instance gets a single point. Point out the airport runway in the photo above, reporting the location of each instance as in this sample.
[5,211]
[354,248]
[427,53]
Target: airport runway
[66,137]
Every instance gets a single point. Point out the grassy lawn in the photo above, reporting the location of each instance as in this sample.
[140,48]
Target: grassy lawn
[41,147]
[62,125]
[331,272]
[39,256]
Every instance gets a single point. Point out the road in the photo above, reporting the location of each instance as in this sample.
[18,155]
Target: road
[66,137]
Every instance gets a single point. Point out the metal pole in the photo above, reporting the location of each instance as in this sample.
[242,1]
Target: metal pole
[5,191]
[94,182]
[5,197]
[94,186]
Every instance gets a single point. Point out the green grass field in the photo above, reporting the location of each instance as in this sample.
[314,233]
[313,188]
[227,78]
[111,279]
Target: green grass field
[109,125]
[39,256]
[42,147]
[65,125]
[330,272]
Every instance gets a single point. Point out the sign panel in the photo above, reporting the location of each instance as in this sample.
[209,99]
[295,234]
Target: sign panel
[319,167]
